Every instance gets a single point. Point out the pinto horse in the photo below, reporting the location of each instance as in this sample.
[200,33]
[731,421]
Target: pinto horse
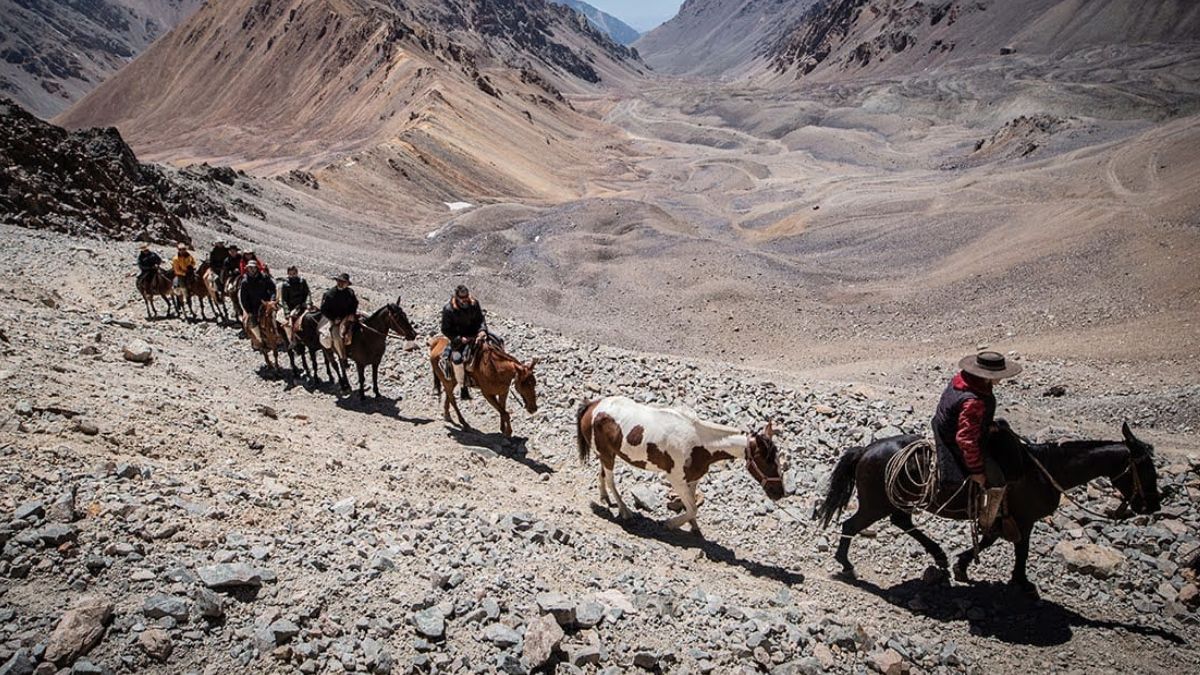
[674,441]
[158,284]
[493,372]
[1033,495]
[368,347]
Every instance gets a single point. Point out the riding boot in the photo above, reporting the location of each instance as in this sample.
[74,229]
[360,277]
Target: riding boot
[460,375]
[993,498]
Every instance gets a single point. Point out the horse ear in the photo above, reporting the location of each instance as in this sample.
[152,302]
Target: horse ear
[1131,440]
[769,431]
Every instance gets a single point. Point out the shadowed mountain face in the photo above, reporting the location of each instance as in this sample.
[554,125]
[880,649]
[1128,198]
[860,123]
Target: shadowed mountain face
[406,105]
[612,26]
[52,52]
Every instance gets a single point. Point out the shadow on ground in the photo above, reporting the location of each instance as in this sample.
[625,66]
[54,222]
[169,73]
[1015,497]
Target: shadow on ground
[497,445]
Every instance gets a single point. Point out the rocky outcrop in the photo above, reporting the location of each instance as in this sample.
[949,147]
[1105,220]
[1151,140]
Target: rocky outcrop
[89,182]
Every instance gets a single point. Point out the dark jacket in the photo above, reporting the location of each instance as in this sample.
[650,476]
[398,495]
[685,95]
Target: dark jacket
[148,261]
[462,321]
[216,258]
[295,294]
[231,264]
[339,303]
[256,289]
[963,417]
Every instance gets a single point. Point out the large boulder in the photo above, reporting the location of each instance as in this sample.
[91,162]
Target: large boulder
[79,629]
[542,637]
[230,576]
[1098,561]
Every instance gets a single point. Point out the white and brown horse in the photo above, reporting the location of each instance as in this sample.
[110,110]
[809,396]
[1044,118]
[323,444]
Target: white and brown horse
[674,441]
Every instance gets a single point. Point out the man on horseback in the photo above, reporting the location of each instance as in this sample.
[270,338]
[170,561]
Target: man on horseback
[339,308]
[257,288]
[217,256]
[182,264]
[464,326]
[296,298]
[249,256]
[964,419]
[148,262]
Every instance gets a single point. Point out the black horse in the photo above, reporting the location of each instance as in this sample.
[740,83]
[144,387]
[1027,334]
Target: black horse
[308,337]
[370,342]
[1031,495]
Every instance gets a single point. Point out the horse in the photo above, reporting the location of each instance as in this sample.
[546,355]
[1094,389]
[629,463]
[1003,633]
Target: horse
[1032,495]
[368,347]
[676,442]
[157,283]
[231,283]
[308,336]
[493,372]
[271,334]
[215,291]
[193,286]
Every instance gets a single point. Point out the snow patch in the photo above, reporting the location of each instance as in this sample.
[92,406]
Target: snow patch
[458,206]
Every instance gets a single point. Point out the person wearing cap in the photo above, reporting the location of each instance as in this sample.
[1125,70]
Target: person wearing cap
[256,289]
[217,256]
[182,263]
[339,307]
[964,418]
[463,324]
[247,257]
[296,298]
[147,262]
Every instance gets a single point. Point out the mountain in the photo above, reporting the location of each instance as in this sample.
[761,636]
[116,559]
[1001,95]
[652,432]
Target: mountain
[52,52]
[718,37]
[894,36]
[401,106]
[611,26]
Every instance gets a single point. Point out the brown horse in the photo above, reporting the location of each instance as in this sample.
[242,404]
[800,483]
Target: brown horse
[270,334]
[215,291]
[157,284]
[194,286]
[368,347]
[493,372]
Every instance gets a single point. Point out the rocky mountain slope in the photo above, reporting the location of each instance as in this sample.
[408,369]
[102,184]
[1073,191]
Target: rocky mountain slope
[206,516]
[89,182]
[718,37]
[52,53]
[607,23]
[892,36]
[396,107]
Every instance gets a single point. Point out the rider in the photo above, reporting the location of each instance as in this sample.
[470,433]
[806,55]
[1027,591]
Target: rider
[181,263]
[217,256]
[463,324]
[233,262]
[247,257]
[296,298]
[148,262]
[964,418]
[337,305]
[257,288]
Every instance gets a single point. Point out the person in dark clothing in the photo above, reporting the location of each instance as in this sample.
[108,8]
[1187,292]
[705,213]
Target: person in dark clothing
[964,418]
[231,268]
[339,308]
[464,325]
[217,257]
[148,262]
[256,289]
[296,298]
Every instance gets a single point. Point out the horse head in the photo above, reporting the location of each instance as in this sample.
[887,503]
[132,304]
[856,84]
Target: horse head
[762,462]
[525,383]
[1138,483]
[398,321]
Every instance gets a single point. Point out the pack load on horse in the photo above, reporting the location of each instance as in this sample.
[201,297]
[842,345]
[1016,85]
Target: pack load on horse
[339,312]
[256,290]
[493,371]
[183,266]
[152,280]
[675,441]
[296,298]
[898,476]
[369,347]
[464,325]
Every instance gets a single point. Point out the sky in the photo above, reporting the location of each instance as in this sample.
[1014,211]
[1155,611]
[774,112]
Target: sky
[641,14]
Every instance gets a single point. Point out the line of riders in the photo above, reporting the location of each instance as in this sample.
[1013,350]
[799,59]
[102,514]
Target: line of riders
[966,433]
[241,276]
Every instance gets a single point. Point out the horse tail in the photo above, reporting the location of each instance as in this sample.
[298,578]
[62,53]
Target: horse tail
[582,437]
[841,487]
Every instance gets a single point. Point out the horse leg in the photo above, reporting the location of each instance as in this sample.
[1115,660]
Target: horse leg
[361,380]
[1019,577]
[604,498]
[623,511]
[968,556]
[505,428]
[904,521]
[684,490]
[861,520]
[375,378]
[147,302]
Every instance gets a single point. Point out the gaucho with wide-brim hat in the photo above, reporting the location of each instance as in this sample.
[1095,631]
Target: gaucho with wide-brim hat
[989,365]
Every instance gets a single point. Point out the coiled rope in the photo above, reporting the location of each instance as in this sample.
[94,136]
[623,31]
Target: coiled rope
[911,485]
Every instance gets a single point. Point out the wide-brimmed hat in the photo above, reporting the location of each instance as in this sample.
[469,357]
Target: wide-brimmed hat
[181,246]
[990,365]
[342,277]
[235,247]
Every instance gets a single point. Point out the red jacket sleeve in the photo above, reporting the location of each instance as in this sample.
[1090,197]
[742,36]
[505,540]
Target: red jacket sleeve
[970,431]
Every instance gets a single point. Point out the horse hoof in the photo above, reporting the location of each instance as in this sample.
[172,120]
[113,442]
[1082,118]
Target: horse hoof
[960,575]
[1027,588]
[846,573]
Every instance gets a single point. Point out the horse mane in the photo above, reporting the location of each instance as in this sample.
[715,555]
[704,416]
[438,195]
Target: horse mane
[1068,447]
[376,313]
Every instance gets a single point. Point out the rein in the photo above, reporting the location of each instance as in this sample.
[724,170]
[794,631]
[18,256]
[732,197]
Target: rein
[386,332]
[1137,485]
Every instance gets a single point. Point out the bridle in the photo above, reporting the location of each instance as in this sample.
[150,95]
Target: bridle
[1139,490]
[752,467]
